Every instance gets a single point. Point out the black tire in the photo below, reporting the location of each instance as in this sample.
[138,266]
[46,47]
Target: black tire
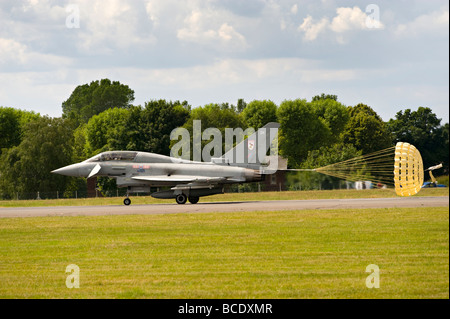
[193,199]
[181,199]
[127,201]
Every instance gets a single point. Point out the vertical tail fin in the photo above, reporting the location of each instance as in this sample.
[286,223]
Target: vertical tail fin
[251,152]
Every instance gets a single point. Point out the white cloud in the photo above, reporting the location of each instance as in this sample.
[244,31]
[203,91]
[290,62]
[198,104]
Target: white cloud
[104,28]
[434,23]
[228,72]
[228,33]
[42,92]
[206,27]
[194,30]
[188,83]
[153,9]
[162,13]
[312,29]
[17,55]
[346,20]
[294,9]
[43,11]
[214,51]
[12,51]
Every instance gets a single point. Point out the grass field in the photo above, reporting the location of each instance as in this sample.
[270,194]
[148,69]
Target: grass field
[282,254]
[137,200]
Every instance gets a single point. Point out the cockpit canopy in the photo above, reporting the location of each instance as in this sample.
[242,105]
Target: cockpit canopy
[126,156]
[133,156]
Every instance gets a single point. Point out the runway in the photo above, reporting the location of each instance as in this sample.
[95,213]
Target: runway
[207,207]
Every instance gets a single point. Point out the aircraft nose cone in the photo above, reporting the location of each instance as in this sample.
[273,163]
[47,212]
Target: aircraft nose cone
[71,170]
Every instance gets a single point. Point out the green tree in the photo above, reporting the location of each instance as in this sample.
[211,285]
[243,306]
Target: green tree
[328,155]
[301,130]
[10,133]
[366,130]
[334,114]
[46,145]
[90,99]
[148,128]
[324,96]
[259,113]
[12,122]
[423,129]
[105,132]
[443,151]
[220,116]
[241,105]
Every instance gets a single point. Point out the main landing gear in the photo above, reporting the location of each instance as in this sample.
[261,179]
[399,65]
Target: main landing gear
[193,199]
[182,199]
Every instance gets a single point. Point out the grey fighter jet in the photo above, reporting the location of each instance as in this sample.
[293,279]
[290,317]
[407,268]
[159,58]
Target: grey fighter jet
[186,180]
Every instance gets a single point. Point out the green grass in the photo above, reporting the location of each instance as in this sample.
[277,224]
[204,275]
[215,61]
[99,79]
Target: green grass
[137,200]
[282,254]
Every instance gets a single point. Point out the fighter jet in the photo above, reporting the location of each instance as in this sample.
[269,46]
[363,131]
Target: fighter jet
[186,180]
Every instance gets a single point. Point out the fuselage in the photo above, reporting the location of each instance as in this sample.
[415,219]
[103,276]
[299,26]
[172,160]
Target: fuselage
[128,168]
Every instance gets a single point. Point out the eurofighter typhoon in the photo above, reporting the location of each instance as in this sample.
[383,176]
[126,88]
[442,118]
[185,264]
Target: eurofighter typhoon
[184,179]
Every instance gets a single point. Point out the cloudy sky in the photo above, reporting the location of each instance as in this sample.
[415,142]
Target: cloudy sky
[391,55]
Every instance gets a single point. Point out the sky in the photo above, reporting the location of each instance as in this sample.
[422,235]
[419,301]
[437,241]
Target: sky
[390,55]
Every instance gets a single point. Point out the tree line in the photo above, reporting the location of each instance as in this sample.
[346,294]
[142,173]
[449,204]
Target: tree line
[100,116]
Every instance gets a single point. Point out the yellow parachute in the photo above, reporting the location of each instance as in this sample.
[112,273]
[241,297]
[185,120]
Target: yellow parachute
[399,166]
[408,169]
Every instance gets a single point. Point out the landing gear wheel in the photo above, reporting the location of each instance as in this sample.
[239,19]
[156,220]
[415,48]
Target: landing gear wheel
[127,201]
[181,199]
[193,199]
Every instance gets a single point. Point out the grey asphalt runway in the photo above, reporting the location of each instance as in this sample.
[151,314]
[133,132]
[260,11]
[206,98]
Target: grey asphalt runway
[206,207]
